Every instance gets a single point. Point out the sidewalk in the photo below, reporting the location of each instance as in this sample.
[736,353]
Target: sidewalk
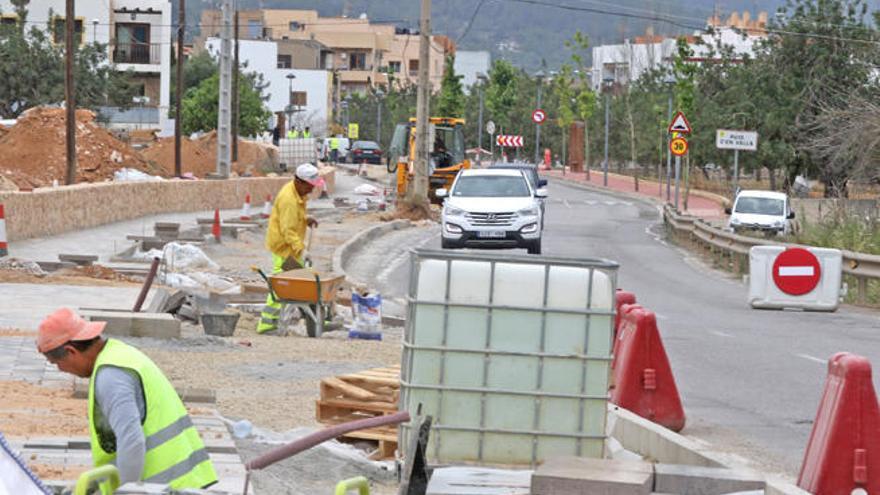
[701,206]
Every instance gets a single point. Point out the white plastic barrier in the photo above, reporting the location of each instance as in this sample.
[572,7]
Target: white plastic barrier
[804,278]
[295,152]
[15,477]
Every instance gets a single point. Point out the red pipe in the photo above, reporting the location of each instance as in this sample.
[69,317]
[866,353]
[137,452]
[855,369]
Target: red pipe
[154,267]
[322,436]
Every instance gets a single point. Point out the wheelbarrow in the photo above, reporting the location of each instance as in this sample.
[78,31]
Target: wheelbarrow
[313,292]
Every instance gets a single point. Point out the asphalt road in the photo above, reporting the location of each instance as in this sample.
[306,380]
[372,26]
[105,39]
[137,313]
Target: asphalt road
[750,380]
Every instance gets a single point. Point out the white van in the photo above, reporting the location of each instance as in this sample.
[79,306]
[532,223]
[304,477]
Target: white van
[765,211]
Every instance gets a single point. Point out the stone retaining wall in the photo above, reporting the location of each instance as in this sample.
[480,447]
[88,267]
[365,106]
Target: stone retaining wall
[52,211]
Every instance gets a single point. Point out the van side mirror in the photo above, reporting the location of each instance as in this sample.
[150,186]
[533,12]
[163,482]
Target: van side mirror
[441,193]
[790,215]
[728,210]
[542,183]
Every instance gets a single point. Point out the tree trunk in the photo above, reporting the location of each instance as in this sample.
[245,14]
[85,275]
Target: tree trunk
[772,175]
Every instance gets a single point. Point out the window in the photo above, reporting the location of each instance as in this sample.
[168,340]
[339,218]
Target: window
[394,67]
[491,186]
[298,98]
[413,66]
[284,61]
[58,27]
[133,44]
[294,26]
[255,29]
[8,21]
[357,61]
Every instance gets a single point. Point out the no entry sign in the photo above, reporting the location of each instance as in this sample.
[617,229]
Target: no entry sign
[796,271]
[538,116]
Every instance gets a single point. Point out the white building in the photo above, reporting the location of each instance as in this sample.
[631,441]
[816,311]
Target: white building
[470,64]
[627,62]
[138,38]
[308,94]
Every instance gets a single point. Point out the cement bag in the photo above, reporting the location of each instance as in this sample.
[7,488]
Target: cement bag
[15,477]
[367,312]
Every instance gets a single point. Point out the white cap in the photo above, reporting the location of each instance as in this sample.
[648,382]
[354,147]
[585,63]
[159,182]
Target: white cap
[309,173]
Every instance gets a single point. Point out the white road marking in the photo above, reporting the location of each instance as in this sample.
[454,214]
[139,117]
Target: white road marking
[722,334]
[796,271]
[567,205]
[812,358]
[610,203]
[591,202]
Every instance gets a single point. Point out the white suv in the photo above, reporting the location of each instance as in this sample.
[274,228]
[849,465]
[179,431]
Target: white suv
[764,211]
[492,208]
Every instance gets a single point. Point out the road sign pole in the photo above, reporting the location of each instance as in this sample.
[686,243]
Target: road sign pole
[677,178]
[480,130]
[735,171]
[538,128]
[669,156]
[605,163]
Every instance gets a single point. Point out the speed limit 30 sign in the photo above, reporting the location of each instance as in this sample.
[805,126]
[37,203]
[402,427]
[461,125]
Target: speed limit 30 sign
[678,146]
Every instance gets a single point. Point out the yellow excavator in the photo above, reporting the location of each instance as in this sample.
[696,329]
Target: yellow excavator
[447,156]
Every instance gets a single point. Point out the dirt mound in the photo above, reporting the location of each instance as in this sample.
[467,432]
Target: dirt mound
[199,156]
[32,152]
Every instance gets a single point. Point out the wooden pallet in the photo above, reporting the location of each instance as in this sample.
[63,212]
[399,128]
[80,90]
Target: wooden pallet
[366,394]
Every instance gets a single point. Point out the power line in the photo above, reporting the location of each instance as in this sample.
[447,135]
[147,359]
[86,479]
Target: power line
[471,22]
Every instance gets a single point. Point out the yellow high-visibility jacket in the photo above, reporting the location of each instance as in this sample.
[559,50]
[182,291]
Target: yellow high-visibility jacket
[287,224]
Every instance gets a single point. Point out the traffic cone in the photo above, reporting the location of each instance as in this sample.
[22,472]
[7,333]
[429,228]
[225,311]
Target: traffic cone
[215,229]
[267,207]
[246,208]
[383,203]
[4,247]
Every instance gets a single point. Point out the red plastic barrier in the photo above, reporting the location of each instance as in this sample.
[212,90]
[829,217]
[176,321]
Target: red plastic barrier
[844,448]
[621,297]
[642,376]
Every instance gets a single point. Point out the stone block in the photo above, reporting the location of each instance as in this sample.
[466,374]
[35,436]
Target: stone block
[197,395]
[161,326]
[78,259]
[566,475]
[698,480]
[52,266]
[157,303]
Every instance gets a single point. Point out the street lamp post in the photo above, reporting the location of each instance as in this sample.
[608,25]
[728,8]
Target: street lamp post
[606,83]
[290,77]
[481,80]
[379,95]
[669,81]
[540,78]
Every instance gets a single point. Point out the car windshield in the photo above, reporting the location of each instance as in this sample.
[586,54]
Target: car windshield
[491,186]
[366,145]
[760,206]
[529,172]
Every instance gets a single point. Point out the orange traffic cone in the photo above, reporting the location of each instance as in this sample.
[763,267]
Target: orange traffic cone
[215,229]
[246,208]
[4,247]
[267,207]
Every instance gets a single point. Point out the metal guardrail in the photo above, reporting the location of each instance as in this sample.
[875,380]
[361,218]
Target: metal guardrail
[732,250]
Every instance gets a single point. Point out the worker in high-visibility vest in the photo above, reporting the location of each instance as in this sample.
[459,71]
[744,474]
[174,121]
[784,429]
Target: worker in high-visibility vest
[334,149]
[285,238]
[293,133]
[137,421]
[307,133]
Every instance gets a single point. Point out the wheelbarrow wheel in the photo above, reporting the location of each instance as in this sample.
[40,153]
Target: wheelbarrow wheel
[311,324]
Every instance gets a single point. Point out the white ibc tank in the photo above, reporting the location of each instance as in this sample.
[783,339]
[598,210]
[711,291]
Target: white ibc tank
[509,357]
[765,277]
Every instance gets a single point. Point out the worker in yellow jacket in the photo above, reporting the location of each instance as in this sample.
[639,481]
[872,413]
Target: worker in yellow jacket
[287,232]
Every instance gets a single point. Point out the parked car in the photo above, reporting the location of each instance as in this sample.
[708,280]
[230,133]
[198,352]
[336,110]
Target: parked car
[765,211]
[365,152]
[531,172]
[492,209]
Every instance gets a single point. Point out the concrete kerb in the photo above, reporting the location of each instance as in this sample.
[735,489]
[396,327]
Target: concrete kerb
[344,252]
[658,444]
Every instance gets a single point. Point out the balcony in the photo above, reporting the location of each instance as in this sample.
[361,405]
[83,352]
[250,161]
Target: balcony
[137,53]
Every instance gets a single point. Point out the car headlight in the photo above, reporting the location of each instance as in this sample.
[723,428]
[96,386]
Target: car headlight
[779,223]
[451,211]
[528,212]
[734,221]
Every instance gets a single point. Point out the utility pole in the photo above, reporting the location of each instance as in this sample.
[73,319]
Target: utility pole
[418,194]
[480,127]
[70,91]
[224,113]
[235,109]
[538,126]
[178,98]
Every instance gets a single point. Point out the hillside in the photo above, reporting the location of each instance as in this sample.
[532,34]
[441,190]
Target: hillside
[524,33]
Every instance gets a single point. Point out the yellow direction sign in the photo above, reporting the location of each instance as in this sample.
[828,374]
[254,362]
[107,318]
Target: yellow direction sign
[353,131]
[678,146]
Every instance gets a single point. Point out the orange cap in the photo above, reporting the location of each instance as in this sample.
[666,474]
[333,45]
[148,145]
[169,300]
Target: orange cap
[64,325]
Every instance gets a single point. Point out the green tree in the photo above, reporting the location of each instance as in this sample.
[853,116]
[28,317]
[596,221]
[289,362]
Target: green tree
[32,71]
[450,101]
[200,106]
[501,93]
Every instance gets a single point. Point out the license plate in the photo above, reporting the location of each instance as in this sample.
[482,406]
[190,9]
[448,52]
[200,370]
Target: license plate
[492,234]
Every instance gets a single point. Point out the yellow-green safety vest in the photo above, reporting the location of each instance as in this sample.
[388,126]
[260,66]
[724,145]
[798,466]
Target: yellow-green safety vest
[334,143]
[175,454]
[292,134]
[307,134]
